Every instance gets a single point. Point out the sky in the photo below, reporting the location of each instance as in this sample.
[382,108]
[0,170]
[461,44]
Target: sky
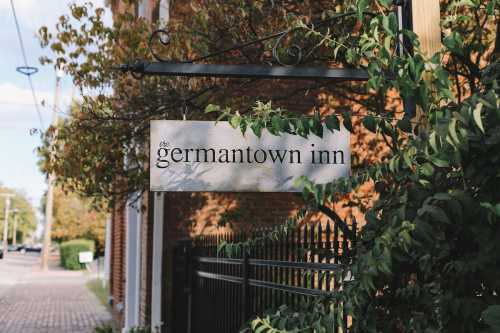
[18,116]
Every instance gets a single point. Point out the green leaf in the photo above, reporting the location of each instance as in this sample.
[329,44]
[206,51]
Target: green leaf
[370,124]
[491,317]
[302,127]
[256,127]
[362,6]
[477,116]
[424,182]
[260,329]
[435,212]
[439,162]
[315,125]
[351,56]
[386,3]
[387,43]
[405,125]
[235,121]
[490,8]
[442,75]
[277,124]
[495,209]
[427,169]
[332,123]
[454,43]
[433,141]
[212,108]
[347,122]
[243,126]
[407,159]
[452,128]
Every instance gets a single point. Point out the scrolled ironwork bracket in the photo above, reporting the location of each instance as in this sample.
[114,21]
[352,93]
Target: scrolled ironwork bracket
[286,68]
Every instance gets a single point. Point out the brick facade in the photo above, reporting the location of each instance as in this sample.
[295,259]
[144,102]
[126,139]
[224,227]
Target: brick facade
[117,262]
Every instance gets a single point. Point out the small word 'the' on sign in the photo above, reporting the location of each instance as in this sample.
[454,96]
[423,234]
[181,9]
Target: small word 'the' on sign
[193,156]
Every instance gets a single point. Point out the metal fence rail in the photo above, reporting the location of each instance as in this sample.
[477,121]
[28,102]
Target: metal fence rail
[220,294]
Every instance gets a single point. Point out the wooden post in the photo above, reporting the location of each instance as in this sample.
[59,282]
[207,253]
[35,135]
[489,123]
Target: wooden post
[426,17]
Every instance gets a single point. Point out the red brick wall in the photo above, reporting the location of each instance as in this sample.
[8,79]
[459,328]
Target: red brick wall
[195,213]
[117,274]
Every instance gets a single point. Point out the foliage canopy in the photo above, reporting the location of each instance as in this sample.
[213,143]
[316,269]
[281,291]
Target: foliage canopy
[75,217]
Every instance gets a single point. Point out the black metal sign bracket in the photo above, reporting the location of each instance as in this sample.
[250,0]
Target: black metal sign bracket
[245,71]
[285,68]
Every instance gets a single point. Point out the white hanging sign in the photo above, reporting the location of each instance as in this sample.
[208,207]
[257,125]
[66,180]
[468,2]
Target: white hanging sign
[193,156]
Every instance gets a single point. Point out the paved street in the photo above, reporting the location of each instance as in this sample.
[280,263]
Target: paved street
[56,301]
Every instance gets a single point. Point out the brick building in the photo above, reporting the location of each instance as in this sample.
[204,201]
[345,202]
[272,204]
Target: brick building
[144,232]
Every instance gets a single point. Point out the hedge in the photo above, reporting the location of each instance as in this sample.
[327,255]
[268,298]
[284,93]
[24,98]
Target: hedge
[69,252]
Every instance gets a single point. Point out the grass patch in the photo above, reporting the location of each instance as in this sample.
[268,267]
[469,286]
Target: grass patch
[99,290]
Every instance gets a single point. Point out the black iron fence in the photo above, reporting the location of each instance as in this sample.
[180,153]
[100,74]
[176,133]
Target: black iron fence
[215,293]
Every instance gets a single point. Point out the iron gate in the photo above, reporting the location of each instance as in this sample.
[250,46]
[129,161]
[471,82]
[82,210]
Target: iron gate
[214,293]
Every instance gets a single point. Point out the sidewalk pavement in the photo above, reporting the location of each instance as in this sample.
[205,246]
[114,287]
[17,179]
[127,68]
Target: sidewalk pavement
[55,301]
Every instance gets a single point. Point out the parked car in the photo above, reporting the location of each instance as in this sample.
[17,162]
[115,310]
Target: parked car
[33,248]
[15,248]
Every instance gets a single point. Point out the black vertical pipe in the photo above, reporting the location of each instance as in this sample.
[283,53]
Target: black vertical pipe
[409,104]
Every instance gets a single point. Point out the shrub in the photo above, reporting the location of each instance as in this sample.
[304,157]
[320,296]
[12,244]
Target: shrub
[69,252]
[106,328]
[140,329]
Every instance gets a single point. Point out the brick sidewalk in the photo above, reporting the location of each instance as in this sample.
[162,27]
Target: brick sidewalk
[50,302]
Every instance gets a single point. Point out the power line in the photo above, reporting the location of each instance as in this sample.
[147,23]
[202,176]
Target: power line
[23,51]
[47,105]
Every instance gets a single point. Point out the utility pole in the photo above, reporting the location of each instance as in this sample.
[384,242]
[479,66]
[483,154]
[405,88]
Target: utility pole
[14,227]
[44,264]
[5,244]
